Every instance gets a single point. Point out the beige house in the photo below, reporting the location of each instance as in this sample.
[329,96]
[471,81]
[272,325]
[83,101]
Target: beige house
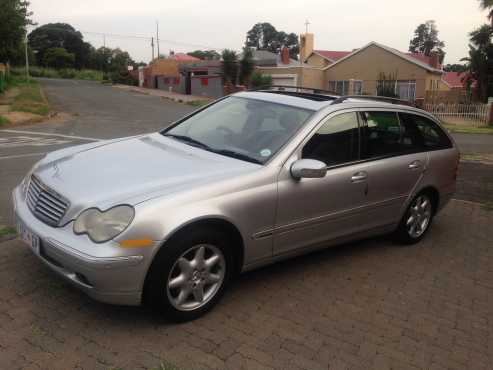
[363,70]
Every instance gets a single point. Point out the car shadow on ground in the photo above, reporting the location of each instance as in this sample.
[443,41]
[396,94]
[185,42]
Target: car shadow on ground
[282,274]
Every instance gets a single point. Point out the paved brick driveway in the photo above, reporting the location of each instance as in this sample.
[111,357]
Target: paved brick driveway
[368,305]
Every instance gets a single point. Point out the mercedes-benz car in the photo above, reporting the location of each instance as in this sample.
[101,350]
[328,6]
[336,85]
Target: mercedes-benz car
[170,217]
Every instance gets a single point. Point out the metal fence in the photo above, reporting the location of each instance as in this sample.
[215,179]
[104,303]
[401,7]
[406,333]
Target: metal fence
[476,115]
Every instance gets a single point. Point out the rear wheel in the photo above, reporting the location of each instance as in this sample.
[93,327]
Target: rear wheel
[417,219]
[189,274]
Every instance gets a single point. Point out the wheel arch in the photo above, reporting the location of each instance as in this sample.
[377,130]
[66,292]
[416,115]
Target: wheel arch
[218,223]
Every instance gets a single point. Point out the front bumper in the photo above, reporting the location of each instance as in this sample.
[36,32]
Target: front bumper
[106,272]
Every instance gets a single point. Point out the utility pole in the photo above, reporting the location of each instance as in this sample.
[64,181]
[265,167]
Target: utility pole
[104,40]
[152,46]
[27,59]
[157,37]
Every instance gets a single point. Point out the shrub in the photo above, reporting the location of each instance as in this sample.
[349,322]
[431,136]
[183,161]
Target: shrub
[123,77]
[259,80]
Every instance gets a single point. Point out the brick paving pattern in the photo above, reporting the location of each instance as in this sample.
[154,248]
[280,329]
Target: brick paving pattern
[366,305]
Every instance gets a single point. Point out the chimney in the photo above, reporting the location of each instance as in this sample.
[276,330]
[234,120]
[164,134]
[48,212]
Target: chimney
[306,46]
[435,60]
[284,55]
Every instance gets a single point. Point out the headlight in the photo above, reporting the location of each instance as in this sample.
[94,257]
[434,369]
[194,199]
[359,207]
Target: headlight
[102,226]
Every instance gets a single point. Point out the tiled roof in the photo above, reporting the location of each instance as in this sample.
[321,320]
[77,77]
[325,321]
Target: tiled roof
[333,55]
[456,79]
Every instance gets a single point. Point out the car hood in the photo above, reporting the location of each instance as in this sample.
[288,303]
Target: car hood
[132,170]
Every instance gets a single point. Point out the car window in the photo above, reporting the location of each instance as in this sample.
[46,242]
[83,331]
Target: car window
[380,135]
[336,141]
[420,133]
[240,126]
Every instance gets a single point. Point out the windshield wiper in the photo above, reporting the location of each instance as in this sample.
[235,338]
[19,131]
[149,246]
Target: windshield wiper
[237,155]
[188,140]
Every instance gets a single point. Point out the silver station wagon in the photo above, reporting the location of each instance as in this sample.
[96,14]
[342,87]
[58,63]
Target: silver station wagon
[170,217]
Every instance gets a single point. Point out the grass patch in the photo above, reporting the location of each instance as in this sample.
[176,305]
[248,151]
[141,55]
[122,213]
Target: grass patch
[7,230]
[3,120]
[464,129]
[78,74]
[30,98]
[198,103]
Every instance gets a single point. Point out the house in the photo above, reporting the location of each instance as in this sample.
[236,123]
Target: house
[194,77]
[364,70]
[286,71]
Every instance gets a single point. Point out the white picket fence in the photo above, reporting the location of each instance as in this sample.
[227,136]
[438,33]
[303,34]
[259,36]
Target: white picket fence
[476,115]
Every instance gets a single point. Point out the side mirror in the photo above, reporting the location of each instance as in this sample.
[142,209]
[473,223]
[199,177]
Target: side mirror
[308,168]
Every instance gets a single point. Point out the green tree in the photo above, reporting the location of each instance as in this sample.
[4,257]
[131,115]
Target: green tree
[14,17]
[264,36]
[205,54]
[487,5]
[246,66]
[58,58]
[456,67]
[229,66]
[480,60]
[60,35]
[426,40]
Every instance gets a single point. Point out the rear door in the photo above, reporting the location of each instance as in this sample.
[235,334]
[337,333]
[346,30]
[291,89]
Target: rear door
[395,164]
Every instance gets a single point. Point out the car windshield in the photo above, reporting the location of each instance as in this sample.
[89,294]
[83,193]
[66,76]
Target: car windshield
[247,129]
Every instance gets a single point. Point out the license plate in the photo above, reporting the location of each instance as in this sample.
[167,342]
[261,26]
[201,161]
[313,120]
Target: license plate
[28,237]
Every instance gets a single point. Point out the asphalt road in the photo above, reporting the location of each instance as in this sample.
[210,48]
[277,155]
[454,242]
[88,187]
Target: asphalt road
[102,112]
[96,112]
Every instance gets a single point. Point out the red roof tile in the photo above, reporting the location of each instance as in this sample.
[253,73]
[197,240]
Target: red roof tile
[456,79]
[333,55]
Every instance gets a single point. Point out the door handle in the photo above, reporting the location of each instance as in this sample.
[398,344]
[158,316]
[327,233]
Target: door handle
[359,176]
[414,165]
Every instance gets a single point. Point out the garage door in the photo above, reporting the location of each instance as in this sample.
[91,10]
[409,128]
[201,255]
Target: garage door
[283,81]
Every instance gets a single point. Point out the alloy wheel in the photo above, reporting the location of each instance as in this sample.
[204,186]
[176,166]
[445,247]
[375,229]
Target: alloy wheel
[196,277]
[419,216]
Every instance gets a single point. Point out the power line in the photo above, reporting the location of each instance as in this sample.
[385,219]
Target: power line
[139,37]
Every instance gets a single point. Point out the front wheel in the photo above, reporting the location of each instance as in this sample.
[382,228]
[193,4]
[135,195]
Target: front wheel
[417,219]
[189,274]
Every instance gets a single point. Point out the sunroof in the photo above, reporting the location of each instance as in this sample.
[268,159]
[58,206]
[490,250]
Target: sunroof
[310,96]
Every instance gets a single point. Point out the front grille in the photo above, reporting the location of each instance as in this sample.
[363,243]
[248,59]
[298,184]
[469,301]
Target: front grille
[45,203]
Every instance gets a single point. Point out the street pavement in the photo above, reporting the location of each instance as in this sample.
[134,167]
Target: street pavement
[366,305]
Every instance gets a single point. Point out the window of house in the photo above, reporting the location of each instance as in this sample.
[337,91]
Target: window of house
[166,81]
[336,141]
[380,134]
[403,89]
[204,81]
[343,87]
[357,87]
[420,133]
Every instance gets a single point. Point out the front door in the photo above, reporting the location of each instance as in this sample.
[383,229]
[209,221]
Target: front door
[315,210]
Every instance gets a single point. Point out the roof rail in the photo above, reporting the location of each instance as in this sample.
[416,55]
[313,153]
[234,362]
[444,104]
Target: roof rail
[384,99]
[300,91]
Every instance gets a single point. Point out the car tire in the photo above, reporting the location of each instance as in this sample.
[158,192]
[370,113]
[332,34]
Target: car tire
[417,219]
[189,273]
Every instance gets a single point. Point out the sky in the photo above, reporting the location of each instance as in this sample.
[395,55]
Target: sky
[188,25]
